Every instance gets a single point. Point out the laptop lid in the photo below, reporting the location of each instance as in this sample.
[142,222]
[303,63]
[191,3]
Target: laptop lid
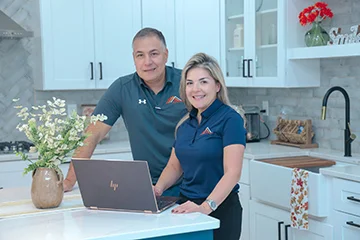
[116,185]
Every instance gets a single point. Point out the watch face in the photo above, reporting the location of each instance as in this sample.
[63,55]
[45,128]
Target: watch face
[212,204]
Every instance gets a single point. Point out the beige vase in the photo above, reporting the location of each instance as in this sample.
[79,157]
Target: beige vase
[47,188]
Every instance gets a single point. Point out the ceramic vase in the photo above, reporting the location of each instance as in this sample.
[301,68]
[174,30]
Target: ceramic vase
[316,36]
[47,188]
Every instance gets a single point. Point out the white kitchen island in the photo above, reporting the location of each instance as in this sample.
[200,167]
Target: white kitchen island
[77,222]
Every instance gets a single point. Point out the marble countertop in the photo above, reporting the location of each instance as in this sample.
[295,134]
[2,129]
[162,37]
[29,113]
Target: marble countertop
[81,223]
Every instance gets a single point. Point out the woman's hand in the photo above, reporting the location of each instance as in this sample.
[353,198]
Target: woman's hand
[189,207]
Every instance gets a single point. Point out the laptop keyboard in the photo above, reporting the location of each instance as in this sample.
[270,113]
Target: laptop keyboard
[163,202]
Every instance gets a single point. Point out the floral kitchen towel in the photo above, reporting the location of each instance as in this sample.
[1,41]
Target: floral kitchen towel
[299,201]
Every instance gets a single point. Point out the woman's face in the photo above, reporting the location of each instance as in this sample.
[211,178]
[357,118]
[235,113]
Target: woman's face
[201,88]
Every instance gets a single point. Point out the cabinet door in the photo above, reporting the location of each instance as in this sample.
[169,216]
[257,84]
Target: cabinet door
[267,222]
[160,14]
[236,26]
[116,23]
[67,37]
[197,29]
[264,47]
[244,195]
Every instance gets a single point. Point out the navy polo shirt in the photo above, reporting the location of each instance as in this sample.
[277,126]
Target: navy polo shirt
[149,118]
[200,147]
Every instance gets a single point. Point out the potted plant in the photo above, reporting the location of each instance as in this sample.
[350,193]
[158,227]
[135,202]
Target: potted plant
[55,136]
[314,15]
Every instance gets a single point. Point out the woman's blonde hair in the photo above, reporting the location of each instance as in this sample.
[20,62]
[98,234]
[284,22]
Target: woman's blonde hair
[204,61]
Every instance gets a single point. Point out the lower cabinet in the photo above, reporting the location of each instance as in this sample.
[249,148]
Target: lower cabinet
[244,195]
[270,223]
[11,174]
[347,227]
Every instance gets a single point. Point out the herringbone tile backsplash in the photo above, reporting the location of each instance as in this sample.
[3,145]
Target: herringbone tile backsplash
[16,80]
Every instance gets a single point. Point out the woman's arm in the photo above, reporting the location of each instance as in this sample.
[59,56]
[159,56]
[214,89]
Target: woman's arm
[233,159]
[169,176]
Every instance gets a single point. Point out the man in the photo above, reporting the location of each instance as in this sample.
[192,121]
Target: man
[148,101]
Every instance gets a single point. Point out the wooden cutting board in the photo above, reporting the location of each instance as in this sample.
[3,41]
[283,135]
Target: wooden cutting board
[300,162]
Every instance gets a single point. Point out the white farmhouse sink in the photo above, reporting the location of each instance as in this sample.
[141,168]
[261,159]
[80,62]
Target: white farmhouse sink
[272,183]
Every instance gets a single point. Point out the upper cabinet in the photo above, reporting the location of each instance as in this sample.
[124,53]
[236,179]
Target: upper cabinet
[254,47]
[86,44]
[188,27]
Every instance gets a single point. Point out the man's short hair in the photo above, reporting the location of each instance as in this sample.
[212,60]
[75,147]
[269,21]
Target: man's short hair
[149,32]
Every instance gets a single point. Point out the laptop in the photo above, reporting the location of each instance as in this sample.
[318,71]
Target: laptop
[118,185]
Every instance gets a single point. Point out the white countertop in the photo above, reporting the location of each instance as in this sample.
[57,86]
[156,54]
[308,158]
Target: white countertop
[81,223]
[349,172]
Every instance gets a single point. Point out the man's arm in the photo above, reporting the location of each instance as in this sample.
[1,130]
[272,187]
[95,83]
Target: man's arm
[97,133]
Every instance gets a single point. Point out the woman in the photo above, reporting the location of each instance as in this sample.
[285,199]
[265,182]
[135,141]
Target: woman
[208,150]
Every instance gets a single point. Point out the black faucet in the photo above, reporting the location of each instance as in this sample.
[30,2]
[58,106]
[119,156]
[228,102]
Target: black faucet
[348,136]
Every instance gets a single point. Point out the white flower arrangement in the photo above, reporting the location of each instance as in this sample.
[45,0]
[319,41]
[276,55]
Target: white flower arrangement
[54,135]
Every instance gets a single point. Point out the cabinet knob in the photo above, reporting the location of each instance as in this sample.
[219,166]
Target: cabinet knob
[351,223]
[352,198]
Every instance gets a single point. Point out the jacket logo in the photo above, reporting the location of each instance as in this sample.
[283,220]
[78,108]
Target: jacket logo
[173,99]
[206,131]
[142,101]
[114,185]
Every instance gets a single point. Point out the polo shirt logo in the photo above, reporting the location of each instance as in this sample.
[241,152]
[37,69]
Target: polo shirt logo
[206,131]
[173,99]
[142,101]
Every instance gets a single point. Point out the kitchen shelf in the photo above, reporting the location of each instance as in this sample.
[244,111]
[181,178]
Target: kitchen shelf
[274,10]
[329,51]
[259,47]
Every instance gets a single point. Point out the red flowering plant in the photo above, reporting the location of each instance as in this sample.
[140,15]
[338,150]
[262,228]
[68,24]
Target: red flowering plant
[315,13]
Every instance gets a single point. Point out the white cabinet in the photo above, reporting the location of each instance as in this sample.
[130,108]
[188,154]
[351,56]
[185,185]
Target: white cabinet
[260,59]
[346,209]
[163,19]
[11,174]
[86,44]
[188,27]
[244,195]
[268,223]
[114,156]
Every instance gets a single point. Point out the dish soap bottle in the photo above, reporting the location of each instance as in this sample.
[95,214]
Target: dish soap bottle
[239,36]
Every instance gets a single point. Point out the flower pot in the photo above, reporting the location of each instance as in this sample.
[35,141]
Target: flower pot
[316,36]
[47,188]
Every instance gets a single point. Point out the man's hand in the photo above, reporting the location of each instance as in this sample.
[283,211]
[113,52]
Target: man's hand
[157,191]
[68,185]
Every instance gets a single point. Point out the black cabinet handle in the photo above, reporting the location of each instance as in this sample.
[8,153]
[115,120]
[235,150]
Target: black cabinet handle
[92,70]
[279,229]
[249,63]
[101,76]
[173,64]
[286,231]
[351,223]
[352,198]
[243,66]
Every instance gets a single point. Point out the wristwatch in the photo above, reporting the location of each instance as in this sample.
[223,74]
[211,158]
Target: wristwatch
[212,204]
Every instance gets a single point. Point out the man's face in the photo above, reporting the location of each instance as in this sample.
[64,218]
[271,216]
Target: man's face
[150,57]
